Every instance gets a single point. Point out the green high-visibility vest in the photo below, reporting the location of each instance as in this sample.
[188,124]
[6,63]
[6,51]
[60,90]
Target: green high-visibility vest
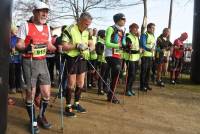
[135,46]
[93,54]
[124,55]
[101,58]
[149,44]
[74,37]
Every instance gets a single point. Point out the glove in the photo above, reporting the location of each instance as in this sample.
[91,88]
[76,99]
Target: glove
[86,54]
[28,49]
[81,47]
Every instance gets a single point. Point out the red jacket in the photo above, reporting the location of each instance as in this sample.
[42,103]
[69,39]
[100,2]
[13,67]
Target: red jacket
[178,52]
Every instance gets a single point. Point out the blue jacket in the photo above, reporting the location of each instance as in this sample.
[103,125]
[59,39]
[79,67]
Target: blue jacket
[14,58]
[143,42]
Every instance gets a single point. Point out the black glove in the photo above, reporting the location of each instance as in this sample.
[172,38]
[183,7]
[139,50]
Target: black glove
[28,49]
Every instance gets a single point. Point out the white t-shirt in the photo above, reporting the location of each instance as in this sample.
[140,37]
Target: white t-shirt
[23,30]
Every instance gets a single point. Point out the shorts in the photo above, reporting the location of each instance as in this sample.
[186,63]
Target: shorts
[35,71]
[175,64]
[76,65]
[161,60]
[94,63]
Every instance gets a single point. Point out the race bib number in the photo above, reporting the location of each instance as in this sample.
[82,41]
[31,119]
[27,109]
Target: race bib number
[39,52]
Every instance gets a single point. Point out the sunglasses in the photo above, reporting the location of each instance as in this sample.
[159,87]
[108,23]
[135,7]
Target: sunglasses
[123,18]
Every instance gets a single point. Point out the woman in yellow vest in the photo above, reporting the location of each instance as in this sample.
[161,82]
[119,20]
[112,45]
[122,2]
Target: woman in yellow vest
[101,61]
[133,50]
[92,60]
[75,43]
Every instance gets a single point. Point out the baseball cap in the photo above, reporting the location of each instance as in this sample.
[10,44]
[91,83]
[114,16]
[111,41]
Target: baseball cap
[40,5]
[118,16]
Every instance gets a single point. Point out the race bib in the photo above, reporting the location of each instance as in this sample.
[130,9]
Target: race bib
[39,51]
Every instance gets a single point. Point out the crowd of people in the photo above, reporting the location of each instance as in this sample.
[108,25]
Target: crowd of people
[87,58]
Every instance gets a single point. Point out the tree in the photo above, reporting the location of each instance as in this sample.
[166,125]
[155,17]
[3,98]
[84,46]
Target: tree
[144,22]
[22,10]
[71,9]
[170,15]
[76,7]
[195,72]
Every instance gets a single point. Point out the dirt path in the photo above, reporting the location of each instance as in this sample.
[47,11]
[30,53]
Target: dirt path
[171,110]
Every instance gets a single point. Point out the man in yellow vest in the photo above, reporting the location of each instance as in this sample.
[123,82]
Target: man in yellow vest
[147,44]
[75,43]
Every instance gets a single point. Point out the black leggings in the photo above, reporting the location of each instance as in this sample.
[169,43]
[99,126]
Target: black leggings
[15,78]
[50,64]
[102,68]
[146,64]
[114,65]
[132,69]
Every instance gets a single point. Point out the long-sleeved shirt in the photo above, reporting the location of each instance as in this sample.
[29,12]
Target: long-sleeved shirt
[143,42]
[14,57]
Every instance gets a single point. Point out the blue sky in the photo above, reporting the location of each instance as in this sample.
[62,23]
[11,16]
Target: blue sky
[158,13]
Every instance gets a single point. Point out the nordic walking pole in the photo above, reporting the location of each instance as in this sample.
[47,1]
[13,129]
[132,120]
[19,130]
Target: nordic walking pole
[61,94]
[127,68]
[32,112]
[139,64]
[60,84]
[108,87]
[113,92]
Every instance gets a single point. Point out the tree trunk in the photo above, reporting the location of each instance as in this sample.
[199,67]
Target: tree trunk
[45,1]
[144,23]
[5,17]
[195,71]
[170,15]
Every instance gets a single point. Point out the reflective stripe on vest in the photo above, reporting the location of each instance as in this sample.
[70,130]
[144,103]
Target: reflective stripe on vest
[77,38]
[38,38]
[135,46]
[149,44]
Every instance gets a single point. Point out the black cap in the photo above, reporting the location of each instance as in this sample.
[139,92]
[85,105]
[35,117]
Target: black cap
[101,33]
[118,16]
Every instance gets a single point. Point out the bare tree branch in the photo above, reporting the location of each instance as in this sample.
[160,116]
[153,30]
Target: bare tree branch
[71,8]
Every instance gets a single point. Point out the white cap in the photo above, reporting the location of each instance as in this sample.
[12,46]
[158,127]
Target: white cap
[41,5]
